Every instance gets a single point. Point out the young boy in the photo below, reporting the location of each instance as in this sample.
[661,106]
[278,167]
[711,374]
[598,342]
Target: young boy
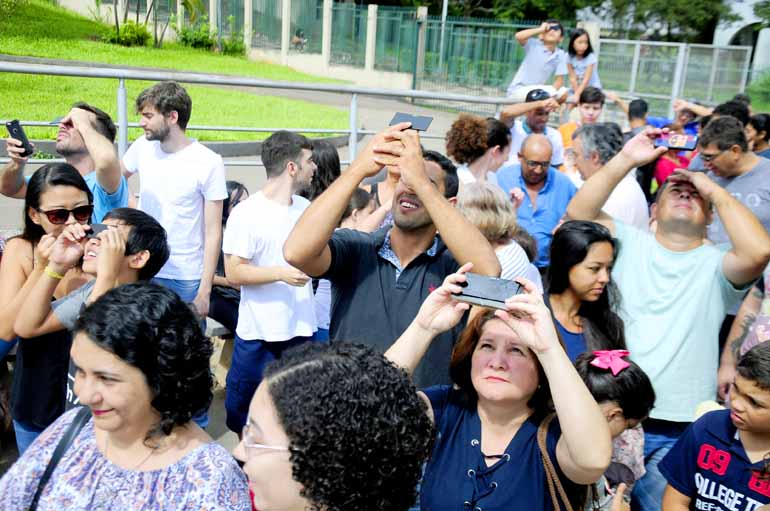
[721,461]
[132,248]
[542,59]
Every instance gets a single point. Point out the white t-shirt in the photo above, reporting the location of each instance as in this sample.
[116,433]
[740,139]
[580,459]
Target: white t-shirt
[323,303]
[256,230]
[173,189]
[514,263]
[519,133]
[628,204]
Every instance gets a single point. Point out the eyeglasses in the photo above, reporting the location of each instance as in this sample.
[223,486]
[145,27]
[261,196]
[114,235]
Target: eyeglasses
[60,215]
[246,435]
[710,157]
[541,164]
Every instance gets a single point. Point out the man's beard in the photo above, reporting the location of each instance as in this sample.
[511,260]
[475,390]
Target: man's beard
[160,134]
[67,151]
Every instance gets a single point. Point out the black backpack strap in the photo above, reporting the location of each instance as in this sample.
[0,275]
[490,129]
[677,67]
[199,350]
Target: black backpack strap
[66,440]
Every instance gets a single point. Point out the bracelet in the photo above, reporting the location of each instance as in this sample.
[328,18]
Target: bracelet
[53,274]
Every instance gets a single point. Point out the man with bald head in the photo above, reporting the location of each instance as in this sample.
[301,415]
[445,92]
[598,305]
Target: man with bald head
[544,192]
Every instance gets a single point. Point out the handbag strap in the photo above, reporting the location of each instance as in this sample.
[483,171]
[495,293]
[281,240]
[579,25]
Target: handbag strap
[69,436]
[552,478]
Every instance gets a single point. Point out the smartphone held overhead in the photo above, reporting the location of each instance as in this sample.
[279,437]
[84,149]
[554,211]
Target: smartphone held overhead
[487,291]
[677,141]
[16,131]
[419,122]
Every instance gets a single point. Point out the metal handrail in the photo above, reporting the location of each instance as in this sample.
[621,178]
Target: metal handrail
[65,69]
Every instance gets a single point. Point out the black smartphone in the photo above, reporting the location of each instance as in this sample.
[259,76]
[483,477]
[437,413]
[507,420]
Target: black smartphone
[15,131]
[96,229]
[487,291]
[677,141]
[419,122]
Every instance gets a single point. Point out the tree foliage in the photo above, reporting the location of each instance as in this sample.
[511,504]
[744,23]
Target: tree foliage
[762,11]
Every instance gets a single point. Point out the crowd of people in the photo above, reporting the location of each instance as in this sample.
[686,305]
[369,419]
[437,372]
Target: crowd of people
[630,371]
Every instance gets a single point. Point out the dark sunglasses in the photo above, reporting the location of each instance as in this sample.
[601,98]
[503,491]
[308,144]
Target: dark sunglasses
[60,215]
[537,95]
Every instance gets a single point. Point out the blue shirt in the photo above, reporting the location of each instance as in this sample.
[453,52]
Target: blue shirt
[709,464]
[104,202]
[539,65]
[580,66]
[574,343]
[552,202]
[457,477]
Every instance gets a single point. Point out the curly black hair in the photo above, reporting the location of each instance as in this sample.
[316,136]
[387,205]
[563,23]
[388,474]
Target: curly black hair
[359,433]
[152,329]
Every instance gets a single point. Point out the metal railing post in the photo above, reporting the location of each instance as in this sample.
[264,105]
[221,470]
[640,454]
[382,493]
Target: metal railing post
[353,140]
[122,118]
[635,67]
[676,87]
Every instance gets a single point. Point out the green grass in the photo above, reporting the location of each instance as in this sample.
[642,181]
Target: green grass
[41,30]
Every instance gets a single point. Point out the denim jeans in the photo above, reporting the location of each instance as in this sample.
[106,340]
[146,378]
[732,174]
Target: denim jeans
[6,347]
[659,437]
[25,435]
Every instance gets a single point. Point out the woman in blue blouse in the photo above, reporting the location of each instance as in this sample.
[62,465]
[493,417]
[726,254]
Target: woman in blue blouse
[507,367]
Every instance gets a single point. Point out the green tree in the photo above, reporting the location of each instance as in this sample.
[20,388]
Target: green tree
[762,11]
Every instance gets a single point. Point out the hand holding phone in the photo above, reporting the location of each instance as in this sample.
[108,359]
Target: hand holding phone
[16,132]
[487,291]
[96,229]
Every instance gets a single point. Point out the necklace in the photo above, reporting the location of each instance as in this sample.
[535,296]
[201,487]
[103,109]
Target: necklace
[134,468]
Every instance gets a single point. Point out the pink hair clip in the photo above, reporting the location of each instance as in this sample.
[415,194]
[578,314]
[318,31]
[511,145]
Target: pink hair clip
[611,359]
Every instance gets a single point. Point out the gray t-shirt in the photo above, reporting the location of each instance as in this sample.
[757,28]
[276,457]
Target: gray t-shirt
[67,311]
[752,189]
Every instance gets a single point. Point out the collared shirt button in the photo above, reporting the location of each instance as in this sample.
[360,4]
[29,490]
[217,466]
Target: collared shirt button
[471,473]
[467,505]
[474,442]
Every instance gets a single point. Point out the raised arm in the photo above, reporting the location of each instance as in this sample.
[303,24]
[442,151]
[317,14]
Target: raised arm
[438,314]
[617,100]
[699,110]
[12,182]
[749,239]
[36,316]
[102,151]
[18,276]
[585,446]
[590,198]
[522,36]
[462,238]
[511,112]
[307,247]
[744,320]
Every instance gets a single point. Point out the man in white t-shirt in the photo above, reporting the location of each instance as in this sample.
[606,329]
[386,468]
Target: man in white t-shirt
[594,146]
[182,186]
[535,112]
[277,309]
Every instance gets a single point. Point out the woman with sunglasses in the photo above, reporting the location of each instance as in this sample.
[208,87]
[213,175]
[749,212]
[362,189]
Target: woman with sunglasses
[57,195]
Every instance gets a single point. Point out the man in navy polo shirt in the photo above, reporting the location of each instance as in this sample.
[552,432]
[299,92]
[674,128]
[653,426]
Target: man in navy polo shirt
[546,192]
[380,280]
[721,461]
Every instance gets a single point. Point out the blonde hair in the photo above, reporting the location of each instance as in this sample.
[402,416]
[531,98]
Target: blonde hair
[488,208]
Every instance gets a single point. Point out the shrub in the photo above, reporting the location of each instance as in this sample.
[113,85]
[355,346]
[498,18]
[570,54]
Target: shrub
[131,34]
[198,35]
[9,6]
[233,44]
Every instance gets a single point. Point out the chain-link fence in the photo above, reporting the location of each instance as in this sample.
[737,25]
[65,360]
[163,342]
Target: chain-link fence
[306,26]
[396,42]
[231,17]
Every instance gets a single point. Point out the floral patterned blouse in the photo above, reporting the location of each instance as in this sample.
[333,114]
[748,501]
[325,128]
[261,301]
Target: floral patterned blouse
[206,479]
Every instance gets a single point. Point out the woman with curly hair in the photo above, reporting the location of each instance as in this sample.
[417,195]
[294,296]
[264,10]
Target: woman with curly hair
[143,373]
[507,367]
[334,427]
[479,145]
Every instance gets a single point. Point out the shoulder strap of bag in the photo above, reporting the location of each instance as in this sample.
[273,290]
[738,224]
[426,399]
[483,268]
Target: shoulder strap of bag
[66,440]
[555,487]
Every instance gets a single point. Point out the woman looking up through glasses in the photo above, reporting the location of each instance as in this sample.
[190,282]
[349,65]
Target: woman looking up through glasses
[57,195]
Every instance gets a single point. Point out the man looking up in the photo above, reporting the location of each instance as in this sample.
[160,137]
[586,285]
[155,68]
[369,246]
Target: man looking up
[546,193]
[676,290]
[277,309]
[85,139]
[379,280]
[182,185]
[594,146]
[536,110]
